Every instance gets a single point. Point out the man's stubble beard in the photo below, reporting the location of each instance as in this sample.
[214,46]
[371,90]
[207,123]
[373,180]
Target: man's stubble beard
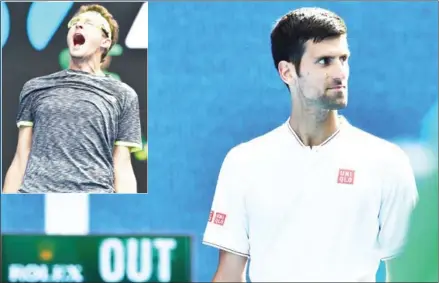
[322,104]
[336,101]
[86,58]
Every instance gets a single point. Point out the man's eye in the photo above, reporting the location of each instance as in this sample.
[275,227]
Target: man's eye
[325,61]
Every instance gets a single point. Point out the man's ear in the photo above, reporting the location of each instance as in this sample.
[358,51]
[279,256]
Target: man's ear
[106,43]
[287,72]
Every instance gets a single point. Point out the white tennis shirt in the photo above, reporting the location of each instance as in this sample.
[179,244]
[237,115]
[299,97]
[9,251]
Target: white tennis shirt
[329,213]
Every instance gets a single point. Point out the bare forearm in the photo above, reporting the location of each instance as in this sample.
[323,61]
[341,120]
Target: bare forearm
[390,269]
[14,177]
[231,268]
[388,276]
[125,181]
[224,277]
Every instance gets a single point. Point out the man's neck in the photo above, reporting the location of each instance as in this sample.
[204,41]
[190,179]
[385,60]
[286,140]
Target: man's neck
[314,127]
[87,66]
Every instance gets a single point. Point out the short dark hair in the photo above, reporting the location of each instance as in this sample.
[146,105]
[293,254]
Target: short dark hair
[294,29]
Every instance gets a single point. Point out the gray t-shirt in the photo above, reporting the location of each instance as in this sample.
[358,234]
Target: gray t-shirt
[77,118]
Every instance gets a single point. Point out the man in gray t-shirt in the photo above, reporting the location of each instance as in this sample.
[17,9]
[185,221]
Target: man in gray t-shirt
[77,127]
[77,119]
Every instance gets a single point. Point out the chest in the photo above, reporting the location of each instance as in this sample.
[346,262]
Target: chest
[75,103]
[320,192]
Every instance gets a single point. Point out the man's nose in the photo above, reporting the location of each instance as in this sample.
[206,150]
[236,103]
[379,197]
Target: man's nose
[340,70]
[79,26]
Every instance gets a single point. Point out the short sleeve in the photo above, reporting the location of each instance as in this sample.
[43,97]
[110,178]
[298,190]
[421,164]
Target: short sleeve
[129,130]
[227,226]
[25,116]
[399,199]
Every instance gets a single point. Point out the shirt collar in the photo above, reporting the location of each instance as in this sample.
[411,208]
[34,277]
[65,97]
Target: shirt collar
[343,124]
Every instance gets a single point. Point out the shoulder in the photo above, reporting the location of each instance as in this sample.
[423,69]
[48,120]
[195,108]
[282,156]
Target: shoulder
[386,158]
[39,79]
[47,77]
[253,150]
[123,89]
[372,144]
[38,82]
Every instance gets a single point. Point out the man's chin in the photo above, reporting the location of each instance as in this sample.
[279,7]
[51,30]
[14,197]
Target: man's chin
[77,53]
[336,104]
[336,101]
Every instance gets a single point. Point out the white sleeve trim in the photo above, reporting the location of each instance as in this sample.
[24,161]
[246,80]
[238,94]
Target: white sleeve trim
[226,240]
[25,124]
[390,256]
[225,249]
[134,147]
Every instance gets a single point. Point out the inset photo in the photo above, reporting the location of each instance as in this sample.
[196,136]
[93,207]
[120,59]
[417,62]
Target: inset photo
[74,97]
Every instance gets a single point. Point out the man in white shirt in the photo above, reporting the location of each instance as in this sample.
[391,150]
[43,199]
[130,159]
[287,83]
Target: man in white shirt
[316,199]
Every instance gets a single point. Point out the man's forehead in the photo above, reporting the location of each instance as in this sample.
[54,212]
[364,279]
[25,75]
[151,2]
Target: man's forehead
[92,16]
[333,46]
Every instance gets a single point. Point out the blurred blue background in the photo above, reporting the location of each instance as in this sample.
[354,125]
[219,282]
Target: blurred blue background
[212,85]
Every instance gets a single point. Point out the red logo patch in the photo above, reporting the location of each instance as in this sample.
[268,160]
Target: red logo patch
[211,215]
[220,218]
[346,176]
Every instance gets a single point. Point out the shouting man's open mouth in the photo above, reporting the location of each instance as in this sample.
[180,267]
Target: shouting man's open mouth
[78,40]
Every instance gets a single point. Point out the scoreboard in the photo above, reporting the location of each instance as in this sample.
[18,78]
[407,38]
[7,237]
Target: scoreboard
[42,258]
